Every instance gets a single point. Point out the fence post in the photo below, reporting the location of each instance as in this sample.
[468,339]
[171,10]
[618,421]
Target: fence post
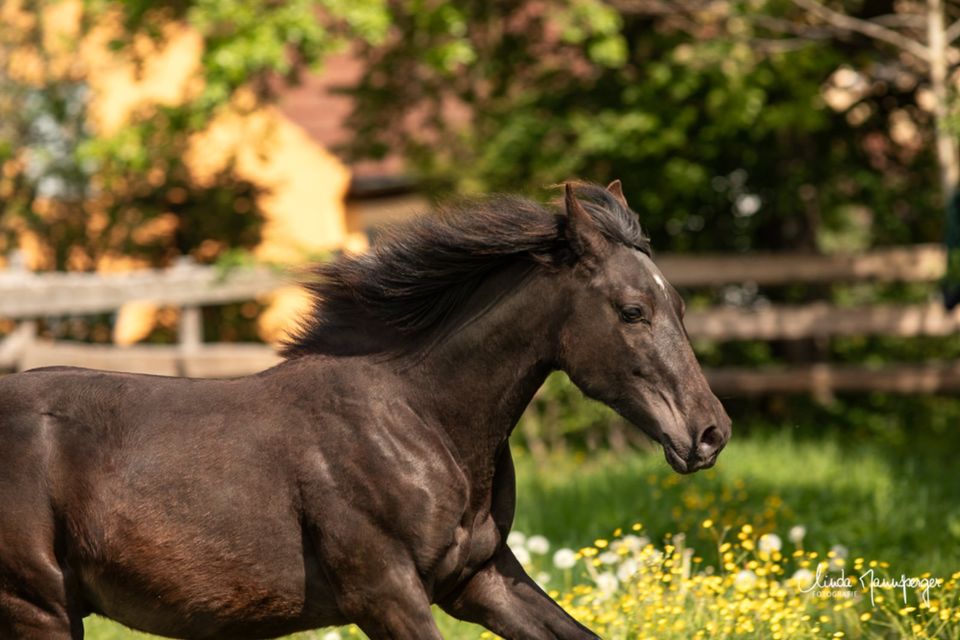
[14,347]
[189,327]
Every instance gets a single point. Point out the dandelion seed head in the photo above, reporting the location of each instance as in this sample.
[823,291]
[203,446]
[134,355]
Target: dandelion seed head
[522,555]
[744,580]
[802,578]
[607,583]
[538,545]
[797,534]
[516,539]
[769,542]
[564,559]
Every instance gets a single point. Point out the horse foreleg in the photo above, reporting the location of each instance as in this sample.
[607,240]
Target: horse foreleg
[26,620]
[33,606]
[398,611]
[37,595]
[400,618]
[504,599]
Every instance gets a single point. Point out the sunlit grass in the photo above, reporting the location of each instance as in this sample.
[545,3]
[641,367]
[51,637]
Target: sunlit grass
[886,503]
[875,506]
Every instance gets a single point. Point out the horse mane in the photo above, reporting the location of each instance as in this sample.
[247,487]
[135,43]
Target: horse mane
[408,290]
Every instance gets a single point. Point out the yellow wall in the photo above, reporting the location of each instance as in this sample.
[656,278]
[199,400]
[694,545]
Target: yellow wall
[304,185]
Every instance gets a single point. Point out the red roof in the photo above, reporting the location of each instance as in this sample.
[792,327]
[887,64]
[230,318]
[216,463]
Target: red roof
[314,105]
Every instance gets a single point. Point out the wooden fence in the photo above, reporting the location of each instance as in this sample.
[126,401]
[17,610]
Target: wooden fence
[918,263]
[25,296]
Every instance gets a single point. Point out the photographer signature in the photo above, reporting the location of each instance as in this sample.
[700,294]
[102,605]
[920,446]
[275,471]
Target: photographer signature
[844,584]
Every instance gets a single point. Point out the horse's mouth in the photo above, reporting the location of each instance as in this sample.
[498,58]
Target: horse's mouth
[675,460]
[681,465]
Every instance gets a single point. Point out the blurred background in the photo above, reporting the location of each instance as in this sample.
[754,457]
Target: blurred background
[165,165]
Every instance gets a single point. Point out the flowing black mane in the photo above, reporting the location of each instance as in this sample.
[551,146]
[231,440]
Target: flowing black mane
[406,289]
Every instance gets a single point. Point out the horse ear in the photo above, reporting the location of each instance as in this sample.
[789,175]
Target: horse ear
[617,190]
[582,232]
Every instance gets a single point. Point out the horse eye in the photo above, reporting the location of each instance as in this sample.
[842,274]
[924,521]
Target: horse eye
[632,314]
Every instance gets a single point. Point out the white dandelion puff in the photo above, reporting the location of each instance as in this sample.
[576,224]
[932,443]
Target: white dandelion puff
[627,569]
[522,555]
[516,540]
[797,533]
[607,583]
[744,580]
[802,579]
[538,545]
[564,559]
[770,542]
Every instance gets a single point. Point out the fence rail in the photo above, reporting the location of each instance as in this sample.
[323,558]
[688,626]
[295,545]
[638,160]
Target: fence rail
[26,296]
[823,380]
[821,320]
[29,295]
[918,263]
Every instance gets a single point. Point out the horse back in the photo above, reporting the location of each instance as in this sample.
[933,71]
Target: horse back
[95,432]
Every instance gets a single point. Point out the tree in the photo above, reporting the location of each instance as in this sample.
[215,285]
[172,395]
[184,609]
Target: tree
[919,35]
[901,29]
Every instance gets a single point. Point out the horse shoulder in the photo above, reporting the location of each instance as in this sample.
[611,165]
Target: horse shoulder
[375,470]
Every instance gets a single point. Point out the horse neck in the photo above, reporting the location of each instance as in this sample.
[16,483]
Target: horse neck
[477,382]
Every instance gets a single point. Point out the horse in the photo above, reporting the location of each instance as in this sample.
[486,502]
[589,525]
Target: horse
[366,476]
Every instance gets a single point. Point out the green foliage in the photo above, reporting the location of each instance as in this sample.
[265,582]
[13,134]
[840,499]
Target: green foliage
[722,144]
[247,42]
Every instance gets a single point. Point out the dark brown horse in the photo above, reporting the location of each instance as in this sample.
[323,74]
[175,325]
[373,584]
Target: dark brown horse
[368,475]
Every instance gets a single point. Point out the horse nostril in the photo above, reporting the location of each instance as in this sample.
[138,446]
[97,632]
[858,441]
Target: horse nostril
[711,440]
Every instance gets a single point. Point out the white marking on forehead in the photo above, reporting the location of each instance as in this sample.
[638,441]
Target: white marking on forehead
[654,270]
[659,281]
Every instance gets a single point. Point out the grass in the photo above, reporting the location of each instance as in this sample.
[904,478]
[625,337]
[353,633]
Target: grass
[889,505]
[882,503]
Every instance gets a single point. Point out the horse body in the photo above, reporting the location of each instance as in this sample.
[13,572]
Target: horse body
[149,524]
[367,476]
